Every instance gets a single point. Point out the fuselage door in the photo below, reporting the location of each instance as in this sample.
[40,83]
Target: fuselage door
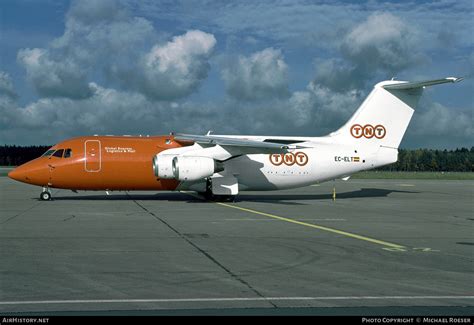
[54,160]
[93,156]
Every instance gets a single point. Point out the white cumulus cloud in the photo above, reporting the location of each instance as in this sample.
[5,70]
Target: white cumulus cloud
[382,40]
[176,68]
[6,86]
[97,34]
[261,75]
[54,78]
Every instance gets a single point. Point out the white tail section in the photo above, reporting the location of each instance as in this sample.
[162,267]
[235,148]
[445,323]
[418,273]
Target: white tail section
[383,117]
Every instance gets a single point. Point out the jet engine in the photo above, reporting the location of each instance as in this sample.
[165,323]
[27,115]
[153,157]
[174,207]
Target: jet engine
[162,166]
[189,168]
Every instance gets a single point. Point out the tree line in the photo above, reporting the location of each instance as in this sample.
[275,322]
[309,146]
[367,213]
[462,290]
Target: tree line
[431,160]
[458,160]
[17,155]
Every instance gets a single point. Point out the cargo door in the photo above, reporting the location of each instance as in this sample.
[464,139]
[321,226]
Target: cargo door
[93,158]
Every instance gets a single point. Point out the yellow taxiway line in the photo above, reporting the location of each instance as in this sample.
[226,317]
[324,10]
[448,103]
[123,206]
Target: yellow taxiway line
[332,230]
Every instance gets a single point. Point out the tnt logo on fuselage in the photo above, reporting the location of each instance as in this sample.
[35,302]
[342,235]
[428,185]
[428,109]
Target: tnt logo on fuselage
[368,131]
[289,159]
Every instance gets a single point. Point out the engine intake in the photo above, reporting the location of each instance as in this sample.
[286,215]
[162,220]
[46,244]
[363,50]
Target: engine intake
[162,166]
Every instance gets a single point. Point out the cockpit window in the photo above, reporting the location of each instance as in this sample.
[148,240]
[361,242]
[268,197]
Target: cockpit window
[48,153]
[58,153]
[67,153]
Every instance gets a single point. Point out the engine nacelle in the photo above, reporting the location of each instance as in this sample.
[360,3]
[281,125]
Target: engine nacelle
[189,168]
[163,166]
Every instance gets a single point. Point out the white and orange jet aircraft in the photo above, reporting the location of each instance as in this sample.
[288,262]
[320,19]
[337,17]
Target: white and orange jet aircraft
[220,166]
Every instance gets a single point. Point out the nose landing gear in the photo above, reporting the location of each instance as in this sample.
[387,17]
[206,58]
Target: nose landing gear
[45,195]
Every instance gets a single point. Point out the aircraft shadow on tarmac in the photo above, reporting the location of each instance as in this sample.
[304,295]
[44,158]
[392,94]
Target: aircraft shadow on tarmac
[284,198]
[264,198]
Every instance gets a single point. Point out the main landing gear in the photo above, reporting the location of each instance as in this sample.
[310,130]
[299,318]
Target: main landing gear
[208,195]
[45,195]
[219,198]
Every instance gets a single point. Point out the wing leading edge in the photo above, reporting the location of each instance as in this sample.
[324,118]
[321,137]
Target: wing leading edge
[235,142]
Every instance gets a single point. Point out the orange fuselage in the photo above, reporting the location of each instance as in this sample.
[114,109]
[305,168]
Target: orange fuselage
[99,163]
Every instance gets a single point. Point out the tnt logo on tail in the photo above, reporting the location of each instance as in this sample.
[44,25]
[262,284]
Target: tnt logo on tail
[368,131]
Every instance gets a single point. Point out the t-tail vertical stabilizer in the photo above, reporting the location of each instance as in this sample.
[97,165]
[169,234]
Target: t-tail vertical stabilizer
[379,124]
[383,117]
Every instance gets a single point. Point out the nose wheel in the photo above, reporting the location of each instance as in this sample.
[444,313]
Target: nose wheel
[45,195]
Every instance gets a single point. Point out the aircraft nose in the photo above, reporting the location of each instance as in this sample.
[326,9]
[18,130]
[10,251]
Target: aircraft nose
[33,172]
[18,174]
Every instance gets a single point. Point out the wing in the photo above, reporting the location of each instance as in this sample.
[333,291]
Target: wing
[226,147]
[235,142]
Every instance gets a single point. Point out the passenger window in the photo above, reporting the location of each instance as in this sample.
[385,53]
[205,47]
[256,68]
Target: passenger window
[67,153]
[58,153]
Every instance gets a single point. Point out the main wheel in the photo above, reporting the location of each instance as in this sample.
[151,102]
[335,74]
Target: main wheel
[45,196]
[223,198]
[208,194]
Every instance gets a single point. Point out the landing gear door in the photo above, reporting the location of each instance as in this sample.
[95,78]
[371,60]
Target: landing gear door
[92,155]
[226,185]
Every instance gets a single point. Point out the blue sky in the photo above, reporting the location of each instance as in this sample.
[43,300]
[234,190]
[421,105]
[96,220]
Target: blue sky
[70,68]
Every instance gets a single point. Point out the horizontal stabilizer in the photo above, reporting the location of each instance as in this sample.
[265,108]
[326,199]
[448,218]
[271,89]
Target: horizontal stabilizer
[419,84]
